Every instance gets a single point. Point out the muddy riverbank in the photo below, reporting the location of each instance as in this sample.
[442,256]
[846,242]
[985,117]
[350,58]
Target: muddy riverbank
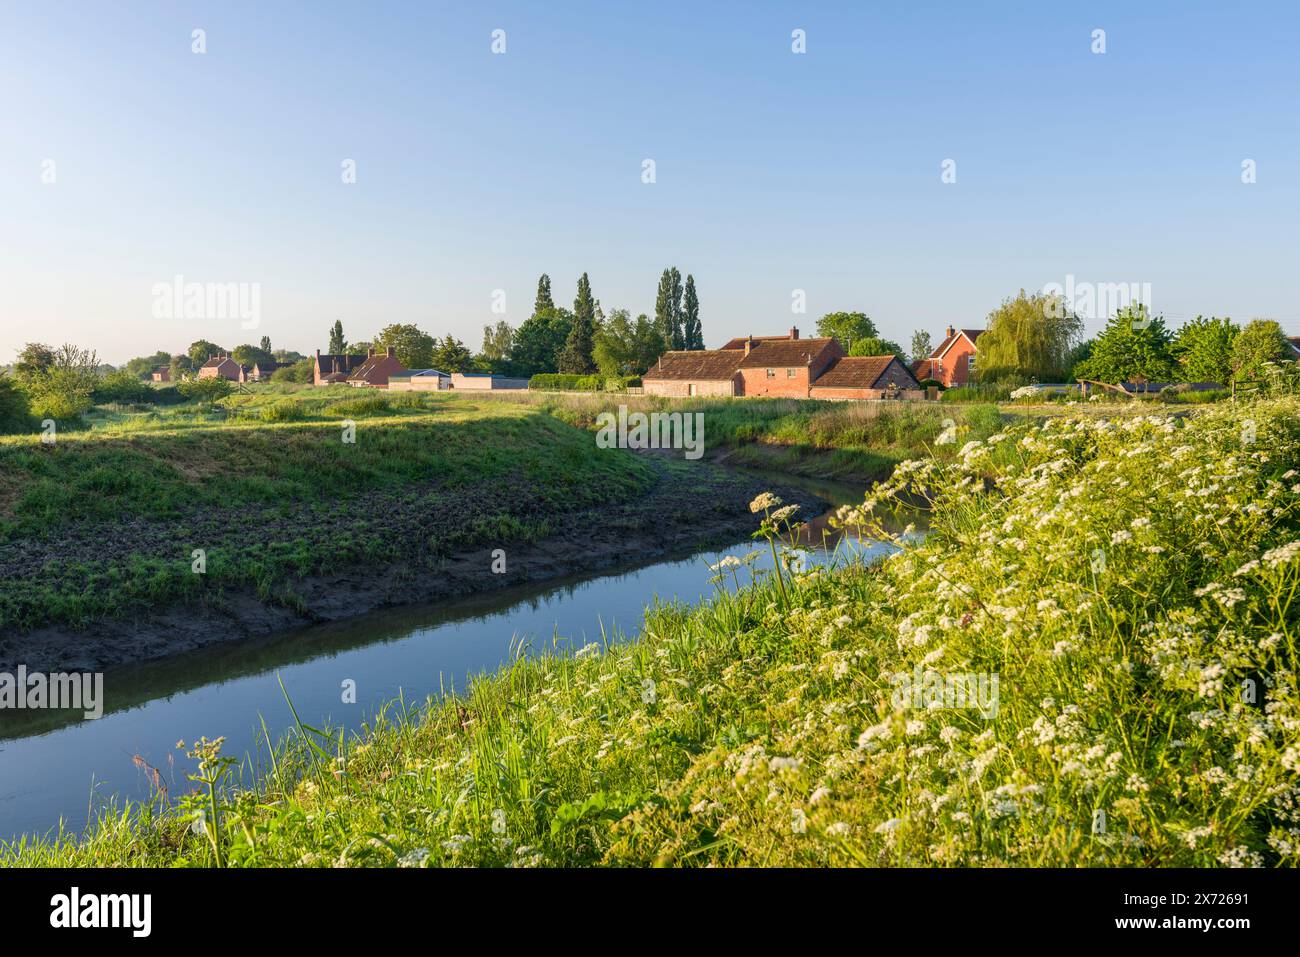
[686,509]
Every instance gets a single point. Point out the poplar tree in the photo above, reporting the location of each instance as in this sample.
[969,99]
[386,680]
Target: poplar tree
[692,332]
[576,358]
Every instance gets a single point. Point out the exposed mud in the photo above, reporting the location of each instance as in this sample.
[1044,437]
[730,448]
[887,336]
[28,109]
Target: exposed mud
[687,509]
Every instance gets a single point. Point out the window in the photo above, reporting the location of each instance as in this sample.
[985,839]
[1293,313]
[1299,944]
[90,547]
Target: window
[970,362]
[771,373]
[690,389]
[791,373]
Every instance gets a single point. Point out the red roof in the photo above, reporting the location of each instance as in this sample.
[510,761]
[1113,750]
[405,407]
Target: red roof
[705,364]
[784,352]
[856,372]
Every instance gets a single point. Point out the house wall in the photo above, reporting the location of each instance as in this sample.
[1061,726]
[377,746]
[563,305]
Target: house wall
[226,370]
[484,383]
[423,383]
[756,382]
[844,394]
[955,364]
[681,387]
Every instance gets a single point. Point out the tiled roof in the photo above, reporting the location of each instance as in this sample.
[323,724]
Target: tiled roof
[971,334]
[739,341]
[705,364]
[783,352]
[854,372]
[377,369]
[331,362]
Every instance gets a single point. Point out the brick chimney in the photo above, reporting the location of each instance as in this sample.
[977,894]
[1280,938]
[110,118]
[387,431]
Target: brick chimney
[794,332]
[389,352]
[951,332]
[749,344]
[370,353]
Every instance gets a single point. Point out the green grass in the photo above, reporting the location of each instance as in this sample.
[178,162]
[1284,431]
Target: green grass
[208,473]
[1141,621]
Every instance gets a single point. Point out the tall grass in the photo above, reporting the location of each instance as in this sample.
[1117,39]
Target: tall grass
[1142,623]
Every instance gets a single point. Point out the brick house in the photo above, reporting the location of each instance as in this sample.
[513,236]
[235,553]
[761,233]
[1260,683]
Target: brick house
[953,361]
[866,377]
[223,367]
[780,366]
[329,369]
[373,373]
[161,374]
[262,371]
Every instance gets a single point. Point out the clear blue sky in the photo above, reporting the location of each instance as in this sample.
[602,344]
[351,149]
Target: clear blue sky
[775,171]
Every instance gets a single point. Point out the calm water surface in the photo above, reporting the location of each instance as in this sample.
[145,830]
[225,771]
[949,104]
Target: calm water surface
[58,767]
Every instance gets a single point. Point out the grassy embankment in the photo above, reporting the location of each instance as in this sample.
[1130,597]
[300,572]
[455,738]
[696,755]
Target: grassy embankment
[849,441]
[1131,584]
[106,519]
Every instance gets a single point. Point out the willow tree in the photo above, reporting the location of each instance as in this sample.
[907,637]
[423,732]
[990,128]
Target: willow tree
[1029,336]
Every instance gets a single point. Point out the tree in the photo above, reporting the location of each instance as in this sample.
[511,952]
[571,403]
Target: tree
[539,340]
[15,409]
[265,345]
[338,345]
[576,356]
[201,351]
[247,355]
[142,366]
[876,346]
[451,355]
[304,370]
[34,360]
[647,344]
[1132,347]
[1028,337]
[613,348]
[921,347]
[1258,344]
[543,303]
[63,388]
[692,331]
[497,341]
[413,348]
[1203,349]
[668,308]
[846,328]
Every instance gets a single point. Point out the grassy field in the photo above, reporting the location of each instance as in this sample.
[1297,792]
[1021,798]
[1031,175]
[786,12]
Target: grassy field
[106,519]
[851,441]
[1130,583]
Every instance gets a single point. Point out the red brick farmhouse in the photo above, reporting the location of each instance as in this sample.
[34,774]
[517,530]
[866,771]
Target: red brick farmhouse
[953,362]
[781,366]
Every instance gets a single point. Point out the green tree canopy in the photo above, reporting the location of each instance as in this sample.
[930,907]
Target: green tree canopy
[412,347]
[847,328]
[876,346]
[1203,349]
[921,347]
[1259,343]
[247,355]
[544,302]
[538,341]
[575,358]
[1132,347]
[451,355]
[1028,337]
[338,344]
[668,308]
[202,350]
[692,331]
[142,366]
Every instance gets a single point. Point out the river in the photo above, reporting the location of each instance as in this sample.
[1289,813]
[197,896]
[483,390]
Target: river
[60,767]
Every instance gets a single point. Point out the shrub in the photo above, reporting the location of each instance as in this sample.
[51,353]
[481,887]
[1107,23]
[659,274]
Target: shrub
[122,386]
[302,371]
[15,410]
[286,410]
[564,382]
[368,405]
[205,390]
[983,392]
